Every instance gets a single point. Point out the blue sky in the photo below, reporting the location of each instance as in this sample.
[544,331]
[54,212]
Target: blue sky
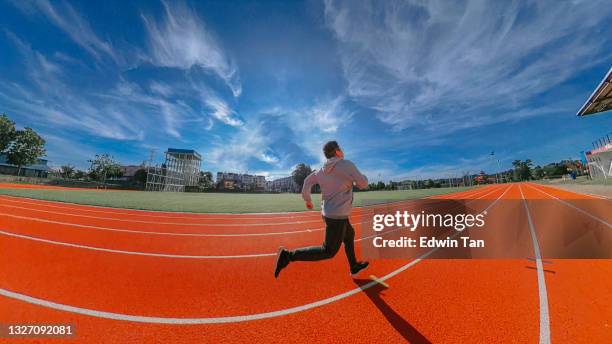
[408,88]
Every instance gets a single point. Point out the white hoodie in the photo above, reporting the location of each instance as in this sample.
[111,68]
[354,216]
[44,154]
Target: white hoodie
[336,179]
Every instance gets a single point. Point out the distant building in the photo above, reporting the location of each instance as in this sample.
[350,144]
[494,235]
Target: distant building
[282,185]
[128,171]
[39,169]
[180,169]
[240,181]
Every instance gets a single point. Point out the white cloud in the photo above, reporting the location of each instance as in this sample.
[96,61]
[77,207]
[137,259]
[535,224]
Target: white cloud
[312,126]
[268,158]
[222,112]
[439,65]
[182,40]
[328,116]
[233,154]
[389,170]
[161,88]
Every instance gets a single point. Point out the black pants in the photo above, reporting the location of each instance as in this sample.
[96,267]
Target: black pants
[337,231]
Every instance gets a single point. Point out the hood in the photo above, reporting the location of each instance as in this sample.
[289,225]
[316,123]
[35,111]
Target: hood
[330,164]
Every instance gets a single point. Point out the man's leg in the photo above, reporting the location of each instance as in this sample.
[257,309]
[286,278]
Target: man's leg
[349,244]
[349,248]
[334,234]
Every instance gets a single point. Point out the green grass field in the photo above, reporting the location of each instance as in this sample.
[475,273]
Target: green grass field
[211,202]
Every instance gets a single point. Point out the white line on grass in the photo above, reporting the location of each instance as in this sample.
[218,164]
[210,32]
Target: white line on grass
[543,296]
[217,320]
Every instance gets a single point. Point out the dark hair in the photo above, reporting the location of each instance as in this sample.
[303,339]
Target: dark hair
[329,149]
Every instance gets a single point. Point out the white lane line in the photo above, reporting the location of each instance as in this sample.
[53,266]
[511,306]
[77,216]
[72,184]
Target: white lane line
[163,223]
[136,253]
[158,233]
[179,256]
[112,229]
[150,213]
[216,320]
[572,206]
[543,295]
[575,191]
[316,220]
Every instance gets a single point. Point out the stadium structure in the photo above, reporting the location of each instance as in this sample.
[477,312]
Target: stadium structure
[601,99]
[180,169]
[599,159]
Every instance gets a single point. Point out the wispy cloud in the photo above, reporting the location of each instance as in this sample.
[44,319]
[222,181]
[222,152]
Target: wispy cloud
[182,40]
[222,112]
[234,153]
[161,88]
[46,99]
[443,66]
[277,137]
[313,125]
[65,17]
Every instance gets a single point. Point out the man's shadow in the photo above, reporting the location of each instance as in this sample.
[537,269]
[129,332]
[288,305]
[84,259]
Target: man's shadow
[404,328]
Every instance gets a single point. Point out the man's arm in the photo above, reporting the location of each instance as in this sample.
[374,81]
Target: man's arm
[308,183]
[360,180]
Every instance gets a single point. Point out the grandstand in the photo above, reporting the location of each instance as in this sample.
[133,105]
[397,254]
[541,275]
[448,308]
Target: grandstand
[180,169]
[600,158]
[601,99]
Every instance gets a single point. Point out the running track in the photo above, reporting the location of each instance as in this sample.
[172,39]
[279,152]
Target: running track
[133,276]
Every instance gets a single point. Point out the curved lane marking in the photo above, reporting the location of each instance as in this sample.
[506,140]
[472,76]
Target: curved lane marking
[218,320]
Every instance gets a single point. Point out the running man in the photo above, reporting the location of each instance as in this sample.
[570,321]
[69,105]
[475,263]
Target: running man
[336,180]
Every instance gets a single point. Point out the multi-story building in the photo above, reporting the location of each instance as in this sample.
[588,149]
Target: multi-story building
[39,169]
[282,185]
[180,169]
[240,181]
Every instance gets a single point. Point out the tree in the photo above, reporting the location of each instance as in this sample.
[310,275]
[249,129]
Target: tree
[67,171]
[25,149]
[79,174]
[206,180]
[103,167]
[522,169]
[140,176]
[7,132]
[300,173]
[538,172]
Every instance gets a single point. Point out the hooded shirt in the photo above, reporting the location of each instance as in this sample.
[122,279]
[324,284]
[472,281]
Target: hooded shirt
[336,180]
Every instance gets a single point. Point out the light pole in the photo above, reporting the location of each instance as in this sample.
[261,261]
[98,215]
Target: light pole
[496,172]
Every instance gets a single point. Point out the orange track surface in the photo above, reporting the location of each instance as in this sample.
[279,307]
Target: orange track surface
[439,301]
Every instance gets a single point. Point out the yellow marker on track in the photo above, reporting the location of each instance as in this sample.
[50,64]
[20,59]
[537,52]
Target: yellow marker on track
[375,279]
